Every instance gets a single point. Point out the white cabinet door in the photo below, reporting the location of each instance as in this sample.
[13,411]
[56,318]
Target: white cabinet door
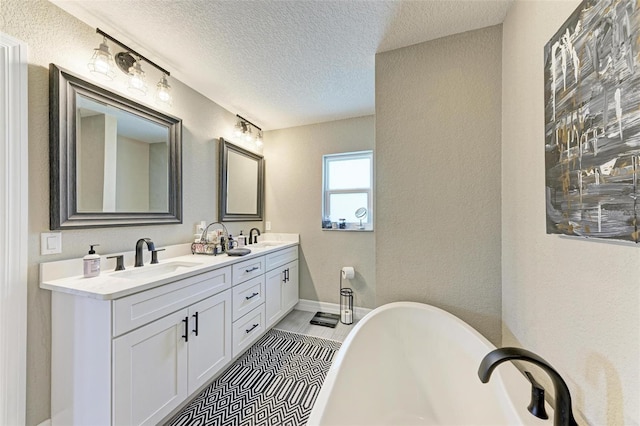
[209,338]
[273,293]
[290,286]
[281,291]
[150,371]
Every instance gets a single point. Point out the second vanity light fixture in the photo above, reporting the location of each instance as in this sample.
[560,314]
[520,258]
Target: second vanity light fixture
[130,62]
[243,128]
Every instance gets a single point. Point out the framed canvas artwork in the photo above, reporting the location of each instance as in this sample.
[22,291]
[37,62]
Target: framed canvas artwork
[592,122]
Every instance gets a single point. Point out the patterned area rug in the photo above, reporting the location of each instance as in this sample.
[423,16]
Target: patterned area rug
[275,382]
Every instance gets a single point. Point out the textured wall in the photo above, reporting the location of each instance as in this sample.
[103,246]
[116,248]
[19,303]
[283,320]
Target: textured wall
[574,302]
[54,36]
[438,176]
[294,204]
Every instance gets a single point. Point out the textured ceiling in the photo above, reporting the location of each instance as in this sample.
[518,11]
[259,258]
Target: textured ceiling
[281,63]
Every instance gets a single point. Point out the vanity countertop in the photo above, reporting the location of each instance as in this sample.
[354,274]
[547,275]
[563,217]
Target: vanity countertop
[65,276]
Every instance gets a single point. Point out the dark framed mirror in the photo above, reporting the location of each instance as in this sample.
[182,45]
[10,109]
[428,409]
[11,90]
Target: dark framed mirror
[241,191]
[113,161]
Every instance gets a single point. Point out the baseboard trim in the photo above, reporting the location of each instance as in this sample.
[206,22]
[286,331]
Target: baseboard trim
[332,308]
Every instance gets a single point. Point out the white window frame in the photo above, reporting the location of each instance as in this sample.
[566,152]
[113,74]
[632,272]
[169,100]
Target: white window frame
[326,192]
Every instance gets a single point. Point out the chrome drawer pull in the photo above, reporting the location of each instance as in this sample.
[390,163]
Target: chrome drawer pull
[251,329]
[252,269]
[252,296]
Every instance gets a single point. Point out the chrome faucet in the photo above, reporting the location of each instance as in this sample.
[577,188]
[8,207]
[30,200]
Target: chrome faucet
[139,244]
[563,415]
[253,240]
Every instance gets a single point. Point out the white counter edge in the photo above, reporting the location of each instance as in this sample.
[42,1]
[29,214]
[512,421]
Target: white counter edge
[66,275]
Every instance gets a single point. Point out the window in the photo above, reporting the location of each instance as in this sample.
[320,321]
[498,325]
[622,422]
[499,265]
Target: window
[347,189]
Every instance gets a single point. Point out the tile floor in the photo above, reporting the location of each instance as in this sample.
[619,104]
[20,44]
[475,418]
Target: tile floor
[298,322]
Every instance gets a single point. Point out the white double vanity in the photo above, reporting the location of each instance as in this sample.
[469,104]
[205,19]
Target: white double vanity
[129,347]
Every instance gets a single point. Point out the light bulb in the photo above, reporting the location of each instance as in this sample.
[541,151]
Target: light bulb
[102,66]
[164,95]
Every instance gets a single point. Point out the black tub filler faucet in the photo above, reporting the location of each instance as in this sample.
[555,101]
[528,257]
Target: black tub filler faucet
[563,414]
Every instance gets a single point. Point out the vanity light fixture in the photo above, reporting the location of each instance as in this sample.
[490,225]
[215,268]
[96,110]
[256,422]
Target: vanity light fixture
[247,135]
[102,63]
[137,83]
[163,92]
[243,128]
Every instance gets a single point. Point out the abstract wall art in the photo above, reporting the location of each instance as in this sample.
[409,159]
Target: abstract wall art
[592,122]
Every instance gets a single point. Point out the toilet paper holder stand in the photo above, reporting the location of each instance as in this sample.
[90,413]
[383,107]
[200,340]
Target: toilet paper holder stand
[346,303]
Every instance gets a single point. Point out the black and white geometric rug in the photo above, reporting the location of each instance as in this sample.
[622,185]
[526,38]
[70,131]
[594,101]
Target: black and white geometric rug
[275,382]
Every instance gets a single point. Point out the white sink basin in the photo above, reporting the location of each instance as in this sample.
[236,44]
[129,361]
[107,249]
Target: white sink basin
[150,271]
[266,244]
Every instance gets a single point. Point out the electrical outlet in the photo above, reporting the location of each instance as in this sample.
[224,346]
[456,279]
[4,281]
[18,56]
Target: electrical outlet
[267,226]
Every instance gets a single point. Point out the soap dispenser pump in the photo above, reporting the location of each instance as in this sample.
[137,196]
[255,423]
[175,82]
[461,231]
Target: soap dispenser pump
[91,263]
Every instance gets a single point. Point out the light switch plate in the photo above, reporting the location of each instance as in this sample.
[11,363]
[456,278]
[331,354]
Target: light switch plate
[50,243]
[267,226]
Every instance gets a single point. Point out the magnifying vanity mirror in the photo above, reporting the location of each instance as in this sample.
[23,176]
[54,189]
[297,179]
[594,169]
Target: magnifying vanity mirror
[360,214]
[241,191]
[113,161]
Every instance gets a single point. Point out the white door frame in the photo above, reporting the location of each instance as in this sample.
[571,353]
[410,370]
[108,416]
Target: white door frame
[14,187]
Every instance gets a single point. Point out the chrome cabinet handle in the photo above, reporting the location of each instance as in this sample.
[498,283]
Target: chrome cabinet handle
[252,296]
[252,269]
[251,329]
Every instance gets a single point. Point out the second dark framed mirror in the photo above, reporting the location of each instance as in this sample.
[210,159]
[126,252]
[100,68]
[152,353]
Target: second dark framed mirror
[241,191]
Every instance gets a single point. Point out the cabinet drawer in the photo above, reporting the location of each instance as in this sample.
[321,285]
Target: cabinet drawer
[247,296]
[281,257]
[248,329]
[248,269]
[141,308]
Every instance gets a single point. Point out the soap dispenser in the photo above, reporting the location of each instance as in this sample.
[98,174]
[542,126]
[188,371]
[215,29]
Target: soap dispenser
[241,240]
[91,263]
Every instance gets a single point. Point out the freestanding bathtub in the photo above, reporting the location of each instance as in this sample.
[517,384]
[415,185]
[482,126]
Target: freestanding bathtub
[414,364]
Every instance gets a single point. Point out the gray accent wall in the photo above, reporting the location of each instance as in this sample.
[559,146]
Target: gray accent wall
[437,151]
